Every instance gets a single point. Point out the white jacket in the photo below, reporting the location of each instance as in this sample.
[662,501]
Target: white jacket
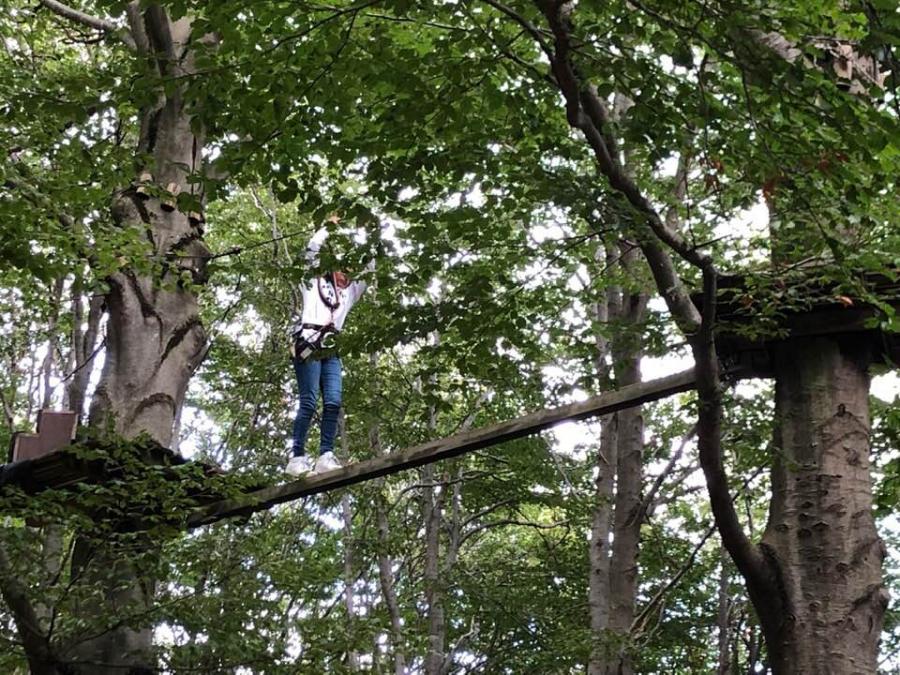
[315,310]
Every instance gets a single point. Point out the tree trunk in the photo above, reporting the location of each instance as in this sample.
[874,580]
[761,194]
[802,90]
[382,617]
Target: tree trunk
[84,339]
[154,335]
[52,342]
[347,541]
[613,573]
[349,599]
[432,515]
[386,580]
[155,339]
[627,352]
[598,556]
[723,619]
[627,519]
[432,519]
[821,535]
[385,562]
[604,483]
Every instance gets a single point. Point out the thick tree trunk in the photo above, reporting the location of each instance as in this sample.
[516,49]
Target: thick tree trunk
[821,535]
[155,339]
[154,335]
[115,642]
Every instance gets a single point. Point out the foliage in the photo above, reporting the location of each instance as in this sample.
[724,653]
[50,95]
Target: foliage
[432,130]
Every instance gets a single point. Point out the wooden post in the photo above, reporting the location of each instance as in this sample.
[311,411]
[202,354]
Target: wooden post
[55,430]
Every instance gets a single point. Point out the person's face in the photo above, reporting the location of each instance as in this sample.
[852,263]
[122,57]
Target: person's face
[341,280]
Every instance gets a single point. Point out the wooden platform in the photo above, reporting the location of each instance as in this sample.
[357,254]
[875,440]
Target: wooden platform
[70,472]
[755,315]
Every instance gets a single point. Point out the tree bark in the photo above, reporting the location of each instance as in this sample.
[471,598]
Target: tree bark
[821,534]
[608,307]
[349,599]
[154,335]
[117,640]
[613,573]
[84,340]
[155,339]
[723,619]
[432,515]
[385,562]
[432,504]
[386,580]
[598,552]
[52,342]
[347,541]
[628,516]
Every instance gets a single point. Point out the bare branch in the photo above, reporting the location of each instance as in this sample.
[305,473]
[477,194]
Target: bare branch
[89,21]
[657,484]
[529,27]
[159,32]
[637,626]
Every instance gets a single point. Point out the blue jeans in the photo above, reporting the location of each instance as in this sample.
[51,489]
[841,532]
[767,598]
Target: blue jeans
[314,375]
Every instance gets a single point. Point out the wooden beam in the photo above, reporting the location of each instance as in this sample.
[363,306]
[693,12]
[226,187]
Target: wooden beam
[443,448]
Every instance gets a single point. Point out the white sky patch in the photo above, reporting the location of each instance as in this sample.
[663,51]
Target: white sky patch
[407,193]
[546,231]
[474,196]
[886,387]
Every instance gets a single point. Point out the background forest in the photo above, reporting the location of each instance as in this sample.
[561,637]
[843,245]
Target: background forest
[542,186]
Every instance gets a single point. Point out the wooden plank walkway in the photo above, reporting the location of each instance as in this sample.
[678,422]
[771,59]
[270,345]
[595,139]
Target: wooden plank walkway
[443,448]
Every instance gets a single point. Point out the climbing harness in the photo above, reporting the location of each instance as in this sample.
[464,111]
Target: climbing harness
[321,338]
[323,335]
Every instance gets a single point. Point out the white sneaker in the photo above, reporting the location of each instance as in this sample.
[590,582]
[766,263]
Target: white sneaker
[299,466]
[327,462]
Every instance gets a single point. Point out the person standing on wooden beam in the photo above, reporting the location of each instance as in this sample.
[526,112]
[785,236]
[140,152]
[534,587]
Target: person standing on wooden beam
[326,302]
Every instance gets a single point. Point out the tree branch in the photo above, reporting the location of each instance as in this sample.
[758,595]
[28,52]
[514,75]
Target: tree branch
[586,111]
[529,27]
[657,484]
[34,641]
[159,34]
[637,626]
[89,21]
